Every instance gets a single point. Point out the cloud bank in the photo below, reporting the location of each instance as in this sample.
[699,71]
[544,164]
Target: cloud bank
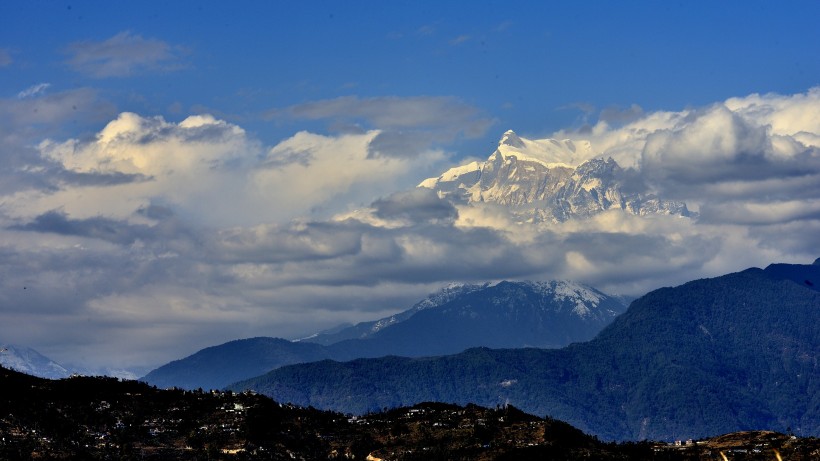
[153,238]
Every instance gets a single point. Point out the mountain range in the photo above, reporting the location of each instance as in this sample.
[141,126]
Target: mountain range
[550,180]
[505,314]
[735,352]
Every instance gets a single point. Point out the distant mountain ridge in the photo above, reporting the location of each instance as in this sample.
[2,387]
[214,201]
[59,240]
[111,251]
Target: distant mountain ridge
[506,314]
[550,181]
[366,329]
[730,353]
[27,360]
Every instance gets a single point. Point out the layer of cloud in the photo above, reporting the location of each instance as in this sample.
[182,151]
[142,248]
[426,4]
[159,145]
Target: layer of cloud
[153,238]
[122,55]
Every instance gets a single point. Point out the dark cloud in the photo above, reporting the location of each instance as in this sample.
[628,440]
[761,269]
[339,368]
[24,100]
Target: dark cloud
[5,57]
[411,255]
[408,125]
[122,55]
[157,212]
[24,169]
[288,156]
[761,213]
[97,228]
[397,144]
[273,244]
[801,238]
[44,114]
[416,205]
[115,178]
[618,116]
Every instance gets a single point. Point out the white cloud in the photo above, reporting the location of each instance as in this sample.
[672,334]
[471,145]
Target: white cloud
[787,115]
[767,141]
[335,169]
[151,146]
[33,90]
[215,173]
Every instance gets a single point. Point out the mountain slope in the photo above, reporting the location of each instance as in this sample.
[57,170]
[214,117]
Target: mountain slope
[29,361]
[736,352]
[549,181]
[507,314]
[216,366]
[366,329]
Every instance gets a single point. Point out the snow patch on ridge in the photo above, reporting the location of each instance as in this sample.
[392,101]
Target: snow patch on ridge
[451,175]
[581,295]
[548,152]
[551,153]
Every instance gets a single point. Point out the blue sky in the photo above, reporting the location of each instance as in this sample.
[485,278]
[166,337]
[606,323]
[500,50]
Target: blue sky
[536,67]
[178,174]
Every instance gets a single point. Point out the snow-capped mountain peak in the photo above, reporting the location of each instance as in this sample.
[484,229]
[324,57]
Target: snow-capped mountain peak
[549,152]
[584,297]
[548,180]
[511,139]
[493,314]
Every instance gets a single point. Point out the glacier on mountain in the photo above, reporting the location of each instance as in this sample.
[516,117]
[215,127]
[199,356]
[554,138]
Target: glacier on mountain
[550,180]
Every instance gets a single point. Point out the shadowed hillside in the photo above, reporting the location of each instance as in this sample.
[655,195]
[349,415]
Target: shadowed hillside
[736,352]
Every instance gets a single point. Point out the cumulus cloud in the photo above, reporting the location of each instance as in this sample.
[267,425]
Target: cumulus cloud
[132,144]
[211,169]
[122,55]
[716,144]
[710,155]
[329,173]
